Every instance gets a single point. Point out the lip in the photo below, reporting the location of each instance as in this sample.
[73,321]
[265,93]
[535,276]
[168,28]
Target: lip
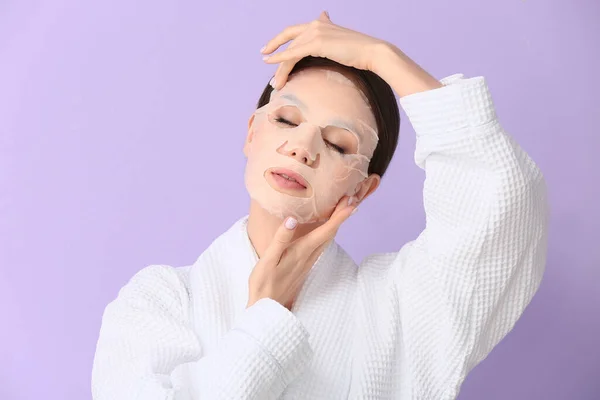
[291,174]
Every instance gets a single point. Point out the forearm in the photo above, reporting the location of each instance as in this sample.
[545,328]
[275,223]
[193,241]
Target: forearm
[403,74]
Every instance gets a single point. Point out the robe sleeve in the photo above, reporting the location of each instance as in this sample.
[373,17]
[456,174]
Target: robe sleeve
[464,282]
[146,333]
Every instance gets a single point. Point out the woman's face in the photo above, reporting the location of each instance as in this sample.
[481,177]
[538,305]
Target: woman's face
[309,146]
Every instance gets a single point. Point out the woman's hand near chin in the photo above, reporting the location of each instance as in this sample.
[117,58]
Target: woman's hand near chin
[323,38]
[282,270]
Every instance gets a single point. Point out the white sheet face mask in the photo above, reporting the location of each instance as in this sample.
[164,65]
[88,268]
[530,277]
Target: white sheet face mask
[300,130]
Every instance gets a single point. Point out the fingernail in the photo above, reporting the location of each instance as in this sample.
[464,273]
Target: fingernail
[291,223]
[354,211]
[265,58]
[262,49]
[326,13]
[272,82]
[351,200]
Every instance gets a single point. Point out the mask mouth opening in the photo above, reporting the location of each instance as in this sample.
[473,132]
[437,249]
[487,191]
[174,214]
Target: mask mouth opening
[288,182]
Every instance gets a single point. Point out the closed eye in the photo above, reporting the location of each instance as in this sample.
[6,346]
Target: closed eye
[284,121]
[335,147]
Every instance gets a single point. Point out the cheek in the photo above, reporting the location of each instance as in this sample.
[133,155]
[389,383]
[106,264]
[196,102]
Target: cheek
[367,147]
[345,175]
[340,176]
[264,139]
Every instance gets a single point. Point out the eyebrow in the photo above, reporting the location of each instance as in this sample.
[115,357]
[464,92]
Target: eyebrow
[292,97]
[340,123]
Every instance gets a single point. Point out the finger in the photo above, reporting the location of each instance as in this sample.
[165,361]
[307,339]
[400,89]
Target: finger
[329,229]
[282,73]
[317,253]
[284,68]
[282,239]
[289,33]
[296,53]
[301,270]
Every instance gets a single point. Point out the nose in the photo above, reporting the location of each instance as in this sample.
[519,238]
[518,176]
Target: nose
[301,155]
[302,146]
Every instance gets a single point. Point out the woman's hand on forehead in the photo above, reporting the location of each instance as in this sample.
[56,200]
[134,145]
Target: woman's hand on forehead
[320,38]
[323,38]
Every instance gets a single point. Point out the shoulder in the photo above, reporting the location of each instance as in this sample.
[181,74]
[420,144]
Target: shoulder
[378,265]
[157,287]
[166,285]
[159,277]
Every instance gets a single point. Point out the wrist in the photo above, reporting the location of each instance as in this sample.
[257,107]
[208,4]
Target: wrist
[404,75]
[382,54]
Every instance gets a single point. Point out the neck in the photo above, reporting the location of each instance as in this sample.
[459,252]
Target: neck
[262,227]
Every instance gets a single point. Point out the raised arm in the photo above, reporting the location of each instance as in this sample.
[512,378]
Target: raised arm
[146,333]
[468,277]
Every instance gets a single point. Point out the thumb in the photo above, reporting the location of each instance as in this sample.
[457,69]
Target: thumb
[324,16]
[329,229]
[282,239]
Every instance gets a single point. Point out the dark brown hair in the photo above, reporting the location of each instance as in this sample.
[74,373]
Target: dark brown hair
[381,99]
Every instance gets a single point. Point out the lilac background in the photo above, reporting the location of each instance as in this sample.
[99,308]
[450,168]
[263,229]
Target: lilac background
[121,131]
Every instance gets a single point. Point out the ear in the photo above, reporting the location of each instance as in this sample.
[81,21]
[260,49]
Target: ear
[250,135]
[367,187]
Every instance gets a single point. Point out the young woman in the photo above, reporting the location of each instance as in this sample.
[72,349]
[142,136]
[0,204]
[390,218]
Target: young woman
[274,308]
